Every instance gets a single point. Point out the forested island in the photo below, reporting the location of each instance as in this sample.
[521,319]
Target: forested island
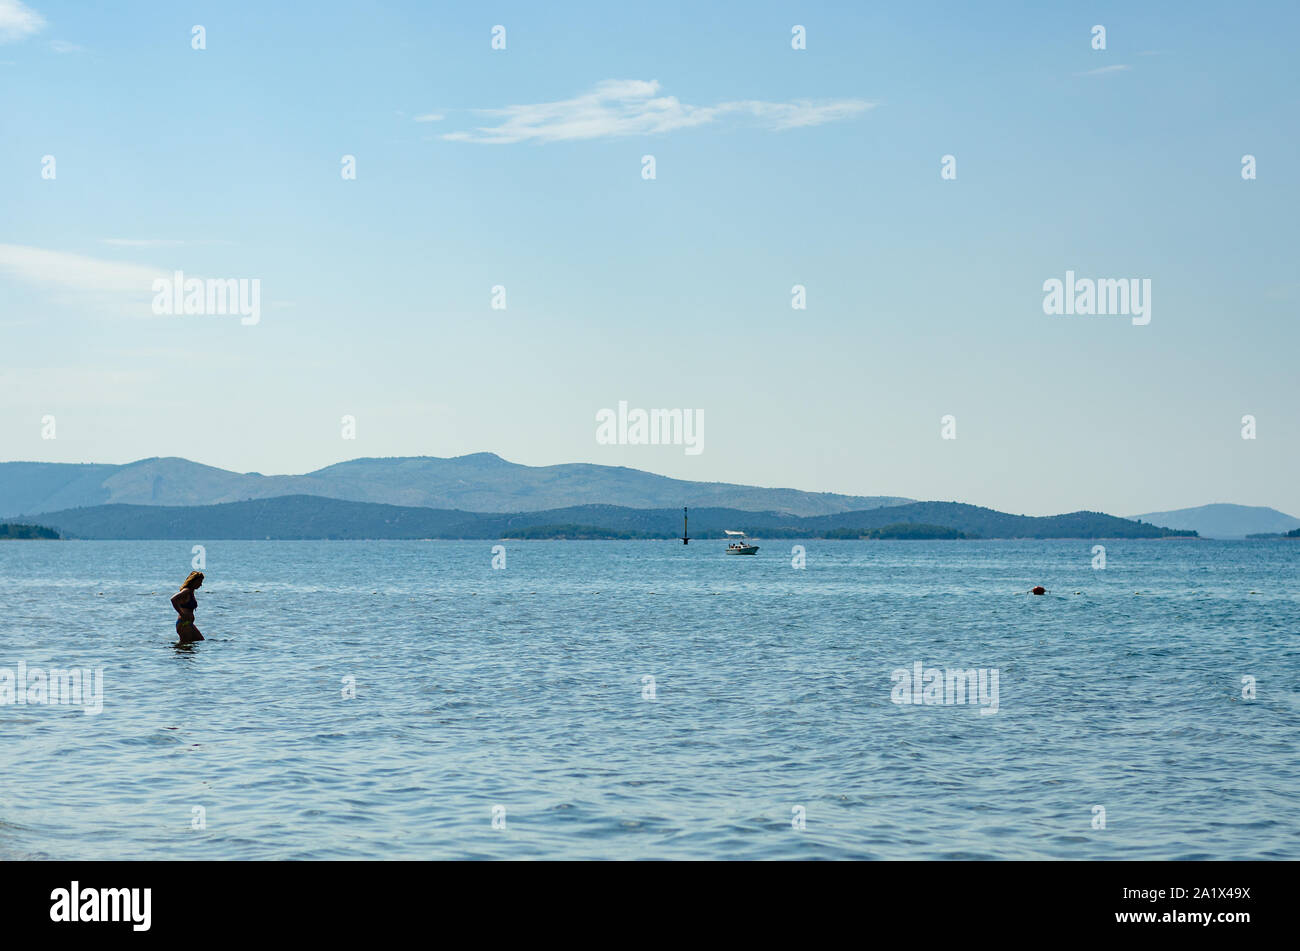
[314,517]
[1294,533]
[899,530]
[12,530]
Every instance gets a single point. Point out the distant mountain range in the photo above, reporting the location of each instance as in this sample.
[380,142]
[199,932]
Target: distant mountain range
[1222,520]
[484,496]
[305,516]
[482,482]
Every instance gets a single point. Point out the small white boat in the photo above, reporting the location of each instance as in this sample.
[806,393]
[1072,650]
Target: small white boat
[741,545]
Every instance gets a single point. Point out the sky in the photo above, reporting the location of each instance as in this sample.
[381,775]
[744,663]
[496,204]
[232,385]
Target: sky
[127,154]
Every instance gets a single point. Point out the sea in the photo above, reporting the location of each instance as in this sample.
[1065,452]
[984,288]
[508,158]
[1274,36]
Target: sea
[652,700]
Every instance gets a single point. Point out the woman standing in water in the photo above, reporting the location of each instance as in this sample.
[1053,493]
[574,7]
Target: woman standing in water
[184,602]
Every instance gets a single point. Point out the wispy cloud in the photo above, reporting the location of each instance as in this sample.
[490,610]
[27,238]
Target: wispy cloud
[618,107]
[799,113]
[82,285]
[430,117]
[63,46]
[75,271]
[1106,70]
[18,21]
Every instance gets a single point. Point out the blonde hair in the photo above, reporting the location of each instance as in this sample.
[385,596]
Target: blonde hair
[194,576]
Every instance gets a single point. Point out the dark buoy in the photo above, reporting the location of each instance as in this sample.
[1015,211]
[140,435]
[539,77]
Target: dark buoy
[686,535]
[1038,589]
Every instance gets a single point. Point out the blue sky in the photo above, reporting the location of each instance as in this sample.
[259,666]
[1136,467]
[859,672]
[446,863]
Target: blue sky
[774,167]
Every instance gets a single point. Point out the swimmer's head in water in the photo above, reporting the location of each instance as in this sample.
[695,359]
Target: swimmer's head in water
[195,580]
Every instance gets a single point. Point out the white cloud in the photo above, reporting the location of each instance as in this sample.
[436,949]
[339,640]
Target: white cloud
[18,21]
[430,117]
[633,107]
[801,112]
[92,286]
[63,46]
[1106,70]
[76,271]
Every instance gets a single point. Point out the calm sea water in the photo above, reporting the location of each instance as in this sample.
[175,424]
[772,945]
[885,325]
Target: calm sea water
[523,689]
